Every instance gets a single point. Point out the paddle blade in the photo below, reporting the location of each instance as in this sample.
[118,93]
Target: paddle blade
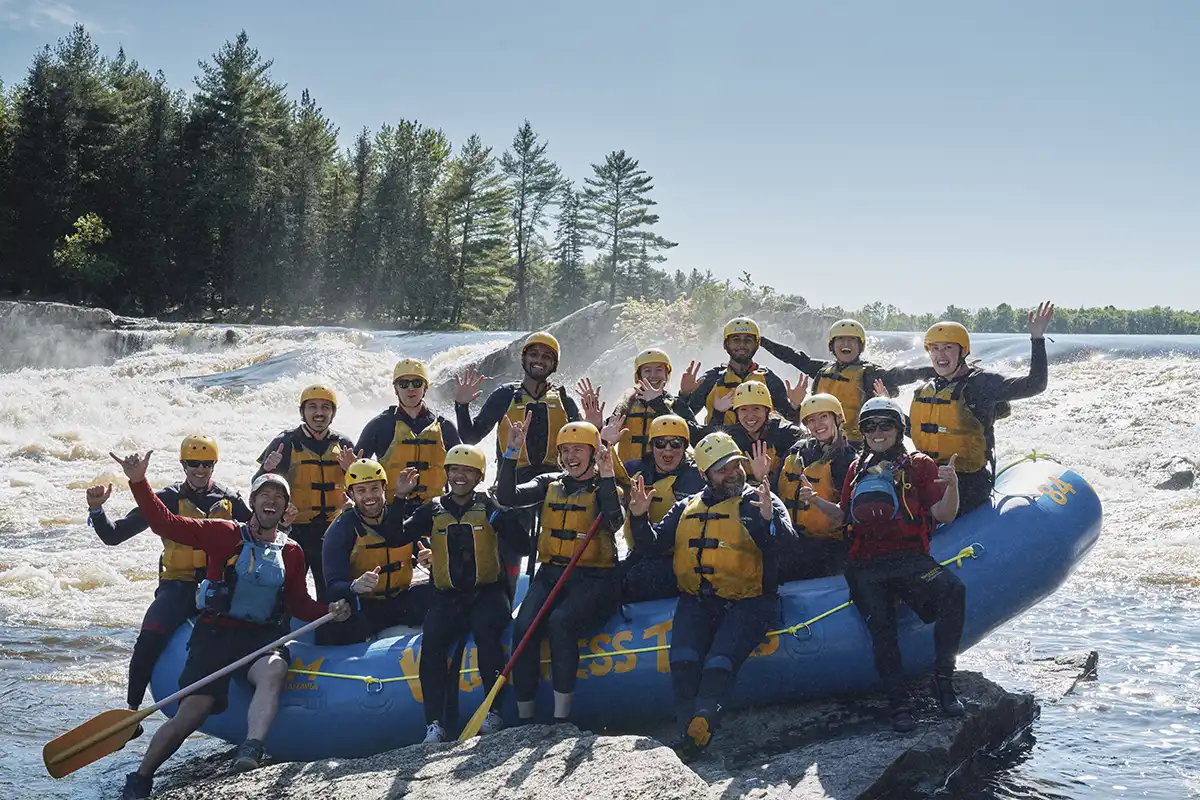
[476,721]
[91,741]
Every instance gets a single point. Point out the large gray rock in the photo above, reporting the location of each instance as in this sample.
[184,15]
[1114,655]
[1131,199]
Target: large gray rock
[1180,473]
[835,748]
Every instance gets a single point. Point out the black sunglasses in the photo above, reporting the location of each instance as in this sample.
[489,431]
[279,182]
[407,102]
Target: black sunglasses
[199,464]
[662,444]
[409,383]
[882,425]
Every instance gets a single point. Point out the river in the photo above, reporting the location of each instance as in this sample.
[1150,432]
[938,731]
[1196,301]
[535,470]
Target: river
[1117,407]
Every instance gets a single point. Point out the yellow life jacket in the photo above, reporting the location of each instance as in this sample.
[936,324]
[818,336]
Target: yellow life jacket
[845,382]
[728,382]
[566,519]
[370,551]
[318,482]
[636,443]
[942,425]
[466,553]
[426,451]
[714,554]
[180,562]
[660,504]
[556,417]
[818,468]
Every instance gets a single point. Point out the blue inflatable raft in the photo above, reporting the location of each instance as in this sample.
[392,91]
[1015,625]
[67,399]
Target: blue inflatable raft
[364,699]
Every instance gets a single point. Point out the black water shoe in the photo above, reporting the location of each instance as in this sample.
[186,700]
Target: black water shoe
[137,787]
[943,692]
[249,756]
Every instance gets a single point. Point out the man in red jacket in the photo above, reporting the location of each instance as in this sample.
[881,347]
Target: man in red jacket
[255,583]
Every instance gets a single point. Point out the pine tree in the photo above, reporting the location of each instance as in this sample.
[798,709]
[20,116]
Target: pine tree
[570,283]
[534,181]
[309,170]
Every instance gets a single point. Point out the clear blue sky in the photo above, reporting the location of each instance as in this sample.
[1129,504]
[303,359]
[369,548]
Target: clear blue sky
[918,153]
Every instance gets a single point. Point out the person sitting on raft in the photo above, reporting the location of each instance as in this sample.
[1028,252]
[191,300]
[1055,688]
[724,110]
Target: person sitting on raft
[848,377]
[366,542]
[891,501]
[809,482]
[956,411]
[255,583]
[646,401]
[584,492]
[311,458]
[464,528]
[714,389]
[180,567]
[722,541]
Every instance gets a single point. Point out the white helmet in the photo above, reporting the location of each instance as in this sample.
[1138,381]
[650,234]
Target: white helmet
[885,408]
[270,477]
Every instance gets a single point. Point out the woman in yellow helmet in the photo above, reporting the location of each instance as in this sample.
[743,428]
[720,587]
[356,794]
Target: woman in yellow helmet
[956,411]
[762,434]
[847,377]
[640,405]
[311,457]
[180,567]
[722,542]
[585,488]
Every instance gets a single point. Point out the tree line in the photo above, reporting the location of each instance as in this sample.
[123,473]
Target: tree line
[122,191]
[1006,319]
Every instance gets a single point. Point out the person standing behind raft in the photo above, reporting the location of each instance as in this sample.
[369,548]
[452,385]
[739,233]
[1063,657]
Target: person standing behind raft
[762,435]
[409,434]
[464,528]
[714,389]
[367,560]
[891,501]
[848,378]
[955,413]
[180,567]
[571,501]
[723,540]
[646,401]
[311,458]
[255,584]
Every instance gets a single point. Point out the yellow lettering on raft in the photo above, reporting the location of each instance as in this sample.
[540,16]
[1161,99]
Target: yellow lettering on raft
[659,633]
[469,681]
[621,641]
[411,669]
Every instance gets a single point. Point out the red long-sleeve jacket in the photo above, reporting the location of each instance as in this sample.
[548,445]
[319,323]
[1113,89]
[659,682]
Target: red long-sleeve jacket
[221,539]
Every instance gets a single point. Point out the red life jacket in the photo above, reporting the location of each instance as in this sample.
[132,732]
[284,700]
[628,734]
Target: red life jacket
[908,532]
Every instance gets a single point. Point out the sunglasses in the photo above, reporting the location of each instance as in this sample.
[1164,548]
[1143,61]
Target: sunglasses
[663,444]
[883,425]
[409,383]
[199,464]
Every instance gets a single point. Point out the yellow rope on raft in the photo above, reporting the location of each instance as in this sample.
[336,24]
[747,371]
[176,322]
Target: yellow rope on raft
[1032,455]
[970,551]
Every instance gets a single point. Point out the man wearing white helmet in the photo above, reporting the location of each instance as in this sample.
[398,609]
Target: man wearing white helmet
[723,542]
[891,501]
[256,581]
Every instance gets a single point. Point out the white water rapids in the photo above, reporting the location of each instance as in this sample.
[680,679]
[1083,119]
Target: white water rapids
[1116,409]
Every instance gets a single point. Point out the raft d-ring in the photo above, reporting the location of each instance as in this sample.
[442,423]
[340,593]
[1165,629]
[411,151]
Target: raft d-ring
[374,685]
[803,626]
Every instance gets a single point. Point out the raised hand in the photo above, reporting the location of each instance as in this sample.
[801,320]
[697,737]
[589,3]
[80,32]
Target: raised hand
[806,493]
[409,479]
[517,433]
[880,388]
[604,461]
[614,429]
[98,495]
[690,381]
[760,461]
[346,457]
[589,400]
[762,500]
[797,393]
[467,386]
[723,401]
[645,392]
[1039,321]
[947,474]
[425,558]
[134,465]
[273,459]
[365,583]
[289,515]
[640,497]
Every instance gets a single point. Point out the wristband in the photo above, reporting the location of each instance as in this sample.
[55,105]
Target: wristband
[95,512]
[511,454]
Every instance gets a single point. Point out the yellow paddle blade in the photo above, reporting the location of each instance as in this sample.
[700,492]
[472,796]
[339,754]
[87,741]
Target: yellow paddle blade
[91,741]
[476,721]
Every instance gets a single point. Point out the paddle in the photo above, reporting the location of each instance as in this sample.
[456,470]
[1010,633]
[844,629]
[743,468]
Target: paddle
[476,721]
[108,732]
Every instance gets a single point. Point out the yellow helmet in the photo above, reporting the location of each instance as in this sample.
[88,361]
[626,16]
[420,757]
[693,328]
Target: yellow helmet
[669,425]
[815,404]
[752,393]
[365,470]
[318,392]
[651,355]
[742,325]
[950,333]
[579,433]
[198,448]
[410,367]
[715,448]
[467,455]
[542,338]
[847,327]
